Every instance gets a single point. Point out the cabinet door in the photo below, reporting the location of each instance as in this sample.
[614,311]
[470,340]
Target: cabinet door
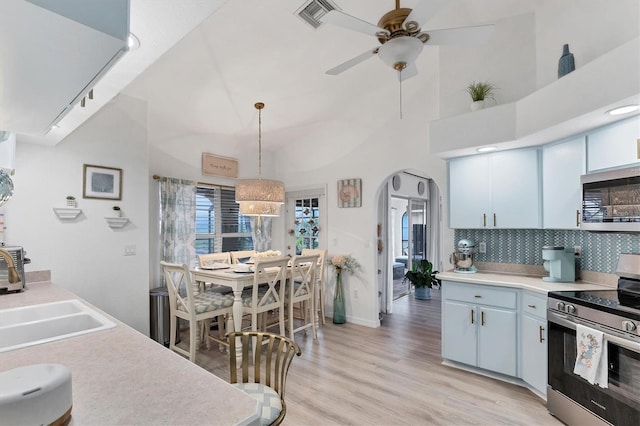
[515,189]
[614,145]
[562,165]
[497,340]
[469,192]
[459,340]
[534,353]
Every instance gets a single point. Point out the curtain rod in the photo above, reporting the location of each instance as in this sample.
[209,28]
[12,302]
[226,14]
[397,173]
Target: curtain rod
[157,177]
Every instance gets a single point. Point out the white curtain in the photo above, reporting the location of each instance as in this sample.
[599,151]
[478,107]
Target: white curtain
[177,220]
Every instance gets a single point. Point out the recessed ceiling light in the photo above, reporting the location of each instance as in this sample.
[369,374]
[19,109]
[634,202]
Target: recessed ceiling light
[486,148]
[623,109]
[133,42]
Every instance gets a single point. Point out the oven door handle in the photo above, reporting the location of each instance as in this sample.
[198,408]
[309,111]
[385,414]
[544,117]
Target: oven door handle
[571,324]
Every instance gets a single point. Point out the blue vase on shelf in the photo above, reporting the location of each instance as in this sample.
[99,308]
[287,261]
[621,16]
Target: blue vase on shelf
[566,63]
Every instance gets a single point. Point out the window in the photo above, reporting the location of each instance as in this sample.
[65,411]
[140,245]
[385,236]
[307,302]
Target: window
[307,224]
[219,224]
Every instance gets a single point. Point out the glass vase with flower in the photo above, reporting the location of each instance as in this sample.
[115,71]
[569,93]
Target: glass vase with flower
[341,264]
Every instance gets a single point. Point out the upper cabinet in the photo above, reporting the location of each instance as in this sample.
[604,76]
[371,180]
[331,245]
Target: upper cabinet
[562,165]
[614,145]
[52,54]
[499,190]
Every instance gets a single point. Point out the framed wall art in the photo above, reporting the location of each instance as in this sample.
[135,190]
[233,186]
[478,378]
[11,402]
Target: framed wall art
[215,165]
[102,182]
[350,193]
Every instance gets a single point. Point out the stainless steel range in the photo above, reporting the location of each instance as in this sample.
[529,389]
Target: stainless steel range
[613,316]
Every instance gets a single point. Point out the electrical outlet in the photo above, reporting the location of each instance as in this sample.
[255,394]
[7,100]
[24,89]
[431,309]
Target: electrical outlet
[130,250]
[482,247]
[355,294]
[578,250]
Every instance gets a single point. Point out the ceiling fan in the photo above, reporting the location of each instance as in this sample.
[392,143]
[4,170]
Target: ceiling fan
[401,36]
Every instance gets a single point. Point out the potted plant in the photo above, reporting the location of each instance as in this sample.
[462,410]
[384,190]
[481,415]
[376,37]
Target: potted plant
[479,91]
[116,210]
[71,201]
[423,278]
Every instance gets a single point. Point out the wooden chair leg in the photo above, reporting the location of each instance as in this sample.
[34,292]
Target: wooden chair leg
[193,338]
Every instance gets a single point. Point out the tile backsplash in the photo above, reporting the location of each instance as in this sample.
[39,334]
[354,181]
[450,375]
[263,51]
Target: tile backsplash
[524,246]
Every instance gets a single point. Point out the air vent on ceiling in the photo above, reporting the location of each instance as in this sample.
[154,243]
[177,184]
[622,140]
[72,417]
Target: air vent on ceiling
[313,10]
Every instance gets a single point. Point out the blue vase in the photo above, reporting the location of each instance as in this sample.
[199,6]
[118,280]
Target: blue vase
[339,316]
[566,63]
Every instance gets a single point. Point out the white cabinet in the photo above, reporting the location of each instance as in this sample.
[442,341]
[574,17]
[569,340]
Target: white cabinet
[533,353]
[499,190]
[562,165]
[614,145]
[479,326]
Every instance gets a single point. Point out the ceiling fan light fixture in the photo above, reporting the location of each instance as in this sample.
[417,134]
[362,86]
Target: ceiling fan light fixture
[400,49]
[259,197]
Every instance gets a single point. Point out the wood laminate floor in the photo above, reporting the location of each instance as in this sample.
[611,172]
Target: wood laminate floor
[392,375]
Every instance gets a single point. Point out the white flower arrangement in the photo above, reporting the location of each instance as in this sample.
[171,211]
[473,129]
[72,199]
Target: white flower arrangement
[268,254]
[344,262]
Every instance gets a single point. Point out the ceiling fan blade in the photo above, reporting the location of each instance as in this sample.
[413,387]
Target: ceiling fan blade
[465,36]
[409,71]
[352,62]
[423,11]
[349,22]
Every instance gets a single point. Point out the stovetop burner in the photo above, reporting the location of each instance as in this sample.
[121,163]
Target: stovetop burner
[618,302]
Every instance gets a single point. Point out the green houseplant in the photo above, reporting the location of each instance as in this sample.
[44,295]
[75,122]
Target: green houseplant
[479,91]
[423,278]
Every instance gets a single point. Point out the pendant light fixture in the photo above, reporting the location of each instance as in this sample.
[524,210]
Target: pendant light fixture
[260,197]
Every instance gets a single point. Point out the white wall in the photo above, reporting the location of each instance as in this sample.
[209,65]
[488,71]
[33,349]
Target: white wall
[590,27]
[86,256]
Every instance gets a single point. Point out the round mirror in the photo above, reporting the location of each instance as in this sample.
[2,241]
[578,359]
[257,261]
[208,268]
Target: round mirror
[6,187]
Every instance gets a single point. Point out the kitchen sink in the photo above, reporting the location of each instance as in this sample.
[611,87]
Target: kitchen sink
[48,322]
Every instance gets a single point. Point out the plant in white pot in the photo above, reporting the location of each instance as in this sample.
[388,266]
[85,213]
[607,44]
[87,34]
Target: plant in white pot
[479,91]
[423,278]
[116,211]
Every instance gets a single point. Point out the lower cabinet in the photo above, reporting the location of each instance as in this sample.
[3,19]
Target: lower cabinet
[498,329]
[534,341]
[479,326]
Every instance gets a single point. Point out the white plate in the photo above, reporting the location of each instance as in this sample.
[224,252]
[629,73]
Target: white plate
[214,267]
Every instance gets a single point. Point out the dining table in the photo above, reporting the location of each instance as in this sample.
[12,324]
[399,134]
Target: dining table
[228,277]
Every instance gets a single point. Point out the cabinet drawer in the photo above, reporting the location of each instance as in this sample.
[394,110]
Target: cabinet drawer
[535,305]
[481,294]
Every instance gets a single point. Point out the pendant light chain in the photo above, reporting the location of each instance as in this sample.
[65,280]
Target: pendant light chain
[259,106]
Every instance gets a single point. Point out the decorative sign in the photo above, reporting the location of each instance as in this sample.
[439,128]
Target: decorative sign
[350,193]
[214,165]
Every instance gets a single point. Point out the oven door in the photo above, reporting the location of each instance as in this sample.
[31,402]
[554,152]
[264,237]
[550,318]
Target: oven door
[618,404]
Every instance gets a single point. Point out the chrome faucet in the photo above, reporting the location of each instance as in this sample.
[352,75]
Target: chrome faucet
[14,277]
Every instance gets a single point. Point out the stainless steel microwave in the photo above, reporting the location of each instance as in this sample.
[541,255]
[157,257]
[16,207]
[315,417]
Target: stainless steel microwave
[611,200]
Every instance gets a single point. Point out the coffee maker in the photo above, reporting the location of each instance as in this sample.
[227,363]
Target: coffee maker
[560,262]
[463,258]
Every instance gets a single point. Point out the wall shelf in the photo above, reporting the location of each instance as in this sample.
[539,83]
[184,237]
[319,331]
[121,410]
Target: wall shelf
[550,113]
[67,213]
[116,222]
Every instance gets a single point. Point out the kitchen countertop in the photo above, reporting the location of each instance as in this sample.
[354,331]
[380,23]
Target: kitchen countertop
[525,282]
[120,376]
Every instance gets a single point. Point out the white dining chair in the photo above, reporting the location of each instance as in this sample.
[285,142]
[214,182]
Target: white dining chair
[242,256]
[267,293]
[184,303]
[301,290]
[320,285]
[208,259]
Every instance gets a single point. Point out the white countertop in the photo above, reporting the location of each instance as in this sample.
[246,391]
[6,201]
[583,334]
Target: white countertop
[120,376]
[524,282]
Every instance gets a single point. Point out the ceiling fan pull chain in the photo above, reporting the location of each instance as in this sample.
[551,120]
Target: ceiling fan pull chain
[400,97]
